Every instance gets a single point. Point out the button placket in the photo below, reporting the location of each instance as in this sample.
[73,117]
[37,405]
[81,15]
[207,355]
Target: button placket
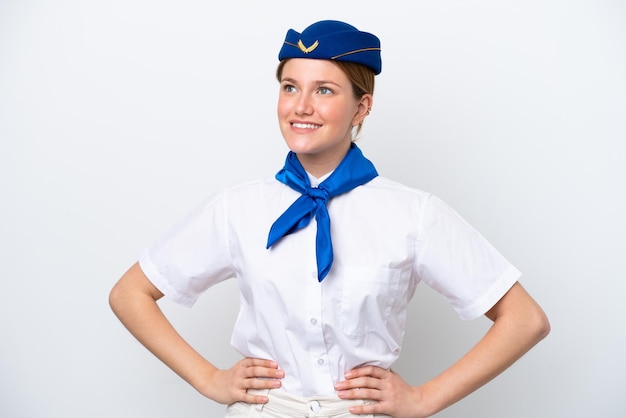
[316,343]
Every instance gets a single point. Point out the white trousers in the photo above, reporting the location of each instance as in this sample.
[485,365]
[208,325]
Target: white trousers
[282,405]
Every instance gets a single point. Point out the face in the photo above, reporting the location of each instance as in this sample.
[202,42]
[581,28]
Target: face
[316,112]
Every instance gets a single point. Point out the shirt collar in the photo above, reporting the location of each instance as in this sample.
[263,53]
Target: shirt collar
[316,181]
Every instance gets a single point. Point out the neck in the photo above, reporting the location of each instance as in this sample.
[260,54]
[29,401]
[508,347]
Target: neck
[319,165]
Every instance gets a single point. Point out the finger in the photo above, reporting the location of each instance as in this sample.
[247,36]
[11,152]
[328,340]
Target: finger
[256,383]
[372,371]
[255,367]
[360,393]
[365,382]
[368,409]
[260,371]
[254,399]
[250,362]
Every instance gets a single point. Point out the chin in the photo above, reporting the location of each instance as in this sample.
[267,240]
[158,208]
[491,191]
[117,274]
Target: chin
[301,147]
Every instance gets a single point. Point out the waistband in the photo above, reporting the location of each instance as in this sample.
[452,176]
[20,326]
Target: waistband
[285,405]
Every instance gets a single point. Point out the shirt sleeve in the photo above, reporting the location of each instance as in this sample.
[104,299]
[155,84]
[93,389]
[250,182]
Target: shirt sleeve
[192,256]
[459,263]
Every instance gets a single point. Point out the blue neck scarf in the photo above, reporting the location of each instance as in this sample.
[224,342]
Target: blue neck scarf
[353,171]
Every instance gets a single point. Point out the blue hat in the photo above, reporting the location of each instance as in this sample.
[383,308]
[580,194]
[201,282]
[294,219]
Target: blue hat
[333,40]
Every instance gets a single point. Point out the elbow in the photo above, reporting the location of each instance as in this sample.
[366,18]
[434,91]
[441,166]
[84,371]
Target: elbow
[538,324]
[119,299]
[131,292]
[115,298]
[544,326]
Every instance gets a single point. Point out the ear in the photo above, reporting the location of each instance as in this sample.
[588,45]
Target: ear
[363,109]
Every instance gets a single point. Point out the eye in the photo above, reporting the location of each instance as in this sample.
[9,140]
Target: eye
[324,90]
[289,88]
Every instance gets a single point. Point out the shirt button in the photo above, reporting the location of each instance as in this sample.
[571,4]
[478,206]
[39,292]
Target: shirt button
[320,361]
[315,406]
[313,321]
[314,275]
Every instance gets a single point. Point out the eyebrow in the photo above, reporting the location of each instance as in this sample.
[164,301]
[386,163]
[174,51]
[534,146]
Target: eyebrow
[317,82]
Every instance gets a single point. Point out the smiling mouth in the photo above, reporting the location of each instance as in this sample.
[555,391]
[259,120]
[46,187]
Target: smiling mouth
[305,125]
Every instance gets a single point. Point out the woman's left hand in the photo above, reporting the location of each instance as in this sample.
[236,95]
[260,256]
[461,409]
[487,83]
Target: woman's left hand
[390,393]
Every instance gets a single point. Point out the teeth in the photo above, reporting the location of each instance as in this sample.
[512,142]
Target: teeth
[305,125]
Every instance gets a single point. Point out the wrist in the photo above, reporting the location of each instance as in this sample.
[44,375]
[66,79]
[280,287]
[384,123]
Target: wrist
[205,379]
[428,401]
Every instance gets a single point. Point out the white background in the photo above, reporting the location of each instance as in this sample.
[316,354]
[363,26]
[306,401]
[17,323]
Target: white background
[118,117]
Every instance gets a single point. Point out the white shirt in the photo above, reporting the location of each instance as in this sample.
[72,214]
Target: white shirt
[386,239]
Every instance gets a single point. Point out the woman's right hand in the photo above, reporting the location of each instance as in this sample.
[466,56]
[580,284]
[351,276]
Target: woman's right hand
[231,385]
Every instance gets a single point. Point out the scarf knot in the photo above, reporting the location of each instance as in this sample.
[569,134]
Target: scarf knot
[319,194]
[353,171]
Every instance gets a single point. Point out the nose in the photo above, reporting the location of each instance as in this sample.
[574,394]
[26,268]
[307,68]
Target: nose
[304,106]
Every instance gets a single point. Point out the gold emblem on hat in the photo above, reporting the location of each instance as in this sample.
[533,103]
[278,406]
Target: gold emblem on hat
[305,49]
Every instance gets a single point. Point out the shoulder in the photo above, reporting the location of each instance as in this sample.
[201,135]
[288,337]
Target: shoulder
[391,189]
[257,196]
[251,189]
[383,182]
[389,198]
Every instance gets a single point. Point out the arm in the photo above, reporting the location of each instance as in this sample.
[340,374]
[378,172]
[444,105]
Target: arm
[518,324]
[134,301]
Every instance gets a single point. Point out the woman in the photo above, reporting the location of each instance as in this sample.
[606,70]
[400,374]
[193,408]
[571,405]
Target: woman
[327,256]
